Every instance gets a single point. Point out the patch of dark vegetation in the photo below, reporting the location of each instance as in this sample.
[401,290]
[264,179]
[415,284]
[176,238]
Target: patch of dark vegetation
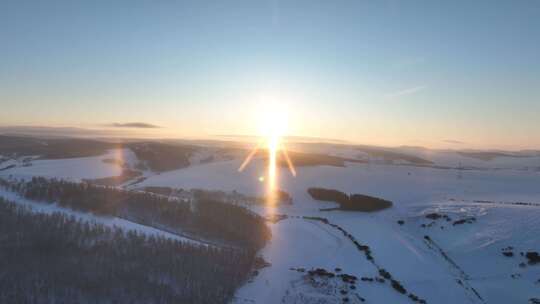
[434,216]
[415,298]
[321,272]
[54,258]
[329,283]
[279,197]
[210,219]
[316,218]
[401,222]
[469,220]
[360,202]
[56,148]
[532,257]
[398,287]
[507,251]
[299,269]
[161,157]
[8,167]
[329,195]
[353,202]
[348,278]
[385,274]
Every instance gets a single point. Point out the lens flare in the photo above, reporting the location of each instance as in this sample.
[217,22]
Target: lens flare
[273,122]
[273,143]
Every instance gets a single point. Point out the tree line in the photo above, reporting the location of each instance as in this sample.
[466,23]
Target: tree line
[56,258]
[211,219]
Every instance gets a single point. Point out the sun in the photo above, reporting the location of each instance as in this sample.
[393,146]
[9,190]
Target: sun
[272,120]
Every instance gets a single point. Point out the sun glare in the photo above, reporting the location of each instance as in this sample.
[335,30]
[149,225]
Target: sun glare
[272,119]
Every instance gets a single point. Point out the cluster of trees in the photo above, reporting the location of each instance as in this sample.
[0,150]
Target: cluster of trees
[55,258]
[278,196]
[355,202]
[230,222]
[211,219]
[161,157]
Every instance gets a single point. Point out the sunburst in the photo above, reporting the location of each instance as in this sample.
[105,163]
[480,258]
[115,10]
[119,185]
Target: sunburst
[273,124]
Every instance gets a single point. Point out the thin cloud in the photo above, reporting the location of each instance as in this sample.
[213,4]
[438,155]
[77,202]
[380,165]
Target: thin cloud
[139,125]
[408,91]
[451,141]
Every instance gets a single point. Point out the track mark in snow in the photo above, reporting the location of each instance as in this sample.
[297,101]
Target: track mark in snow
[463,276]
[525,204]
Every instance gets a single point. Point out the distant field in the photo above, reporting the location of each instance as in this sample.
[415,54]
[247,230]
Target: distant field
[52,148]
[305,159]
[394,156]
[487,156]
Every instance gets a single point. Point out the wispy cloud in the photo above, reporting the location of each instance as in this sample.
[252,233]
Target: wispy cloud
[451,141]
[407,91]
[139,125]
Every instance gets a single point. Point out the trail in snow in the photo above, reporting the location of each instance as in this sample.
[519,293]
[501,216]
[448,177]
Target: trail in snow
[463,276]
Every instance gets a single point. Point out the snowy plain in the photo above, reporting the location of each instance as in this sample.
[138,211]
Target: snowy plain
[472,252]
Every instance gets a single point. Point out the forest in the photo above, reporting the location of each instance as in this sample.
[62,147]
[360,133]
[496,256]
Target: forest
[55,258]
[353,202]
[206,218]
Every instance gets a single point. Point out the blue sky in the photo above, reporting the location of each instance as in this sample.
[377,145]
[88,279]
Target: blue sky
[382,72]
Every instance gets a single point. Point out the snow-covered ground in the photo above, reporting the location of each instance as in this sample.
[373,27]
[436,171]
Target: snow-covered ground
[71,168]
[401,249]
[456,264]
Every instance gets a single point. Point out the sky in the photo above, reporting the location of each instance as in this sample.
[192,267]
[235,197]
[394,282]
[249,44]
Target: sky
[455,74]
